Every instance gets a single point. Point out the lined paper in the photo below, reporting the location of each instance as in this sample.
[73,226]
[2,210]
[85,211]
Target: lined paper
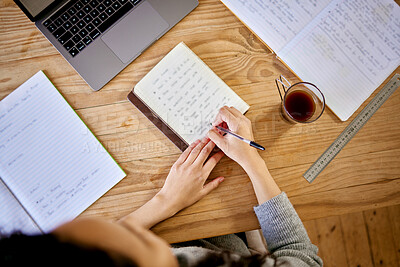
[186,94]
[48,157]
[346,48]
[347,51]
[12,216]
[276,22]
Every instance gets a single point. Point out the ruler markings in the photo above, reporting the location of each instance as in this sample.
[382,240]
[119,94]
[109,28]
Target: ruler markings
[351,130]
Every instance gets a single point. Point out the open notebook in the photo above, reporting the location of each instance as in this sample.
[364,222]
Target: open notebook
[346,48]
[51,166]
[181,95]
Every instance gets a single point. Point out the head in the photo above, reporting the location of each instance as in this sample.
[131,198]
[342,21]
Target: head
[88,242]
[93,242]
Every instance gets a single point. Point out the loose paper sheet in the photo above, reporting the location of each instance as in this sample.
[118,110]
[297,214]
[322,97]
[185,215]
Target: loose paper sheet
[347,51]
[346,48]
[276,22]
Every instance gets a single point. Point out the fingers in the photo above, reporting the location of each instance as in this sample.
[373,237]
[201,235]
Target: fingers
[182,158]
[204,153]
[235,112]
[196,150]
[217,138]
[212,185]
[211,163]
[225,115]
[199,154]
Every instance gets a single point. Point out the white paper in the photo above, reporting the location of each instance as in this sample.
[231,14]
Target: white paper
[346,48]
[186,94]
[347,51]
[13,217]
[48,158]
[276,22]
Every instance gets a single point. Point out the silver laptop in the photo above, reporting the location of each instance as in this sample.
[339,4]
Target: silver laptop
[99,38]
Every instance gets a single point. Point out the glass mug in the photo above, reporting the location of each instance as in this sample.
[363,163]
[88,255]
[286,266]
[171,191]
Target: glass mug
[302,102]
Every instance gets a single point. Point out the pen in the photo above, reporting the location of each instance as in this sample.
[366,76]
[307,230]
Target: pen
[251,143]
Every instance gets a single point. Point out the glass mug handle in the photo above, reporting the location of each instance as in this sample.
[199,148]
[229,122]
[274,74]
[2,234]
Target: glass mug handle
[284,86]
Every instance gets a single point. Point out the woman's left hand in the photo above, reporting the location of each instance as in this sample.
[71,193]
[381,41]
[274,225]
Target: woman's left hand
[186,181]
[185,185]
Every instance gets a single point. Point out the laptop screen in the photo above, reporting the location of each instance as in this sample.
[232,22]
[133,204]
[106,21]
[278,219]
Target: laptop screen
[35,8]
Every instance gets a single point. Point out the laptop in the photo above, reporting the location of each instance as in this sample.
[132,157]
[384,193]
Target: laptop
[99,38]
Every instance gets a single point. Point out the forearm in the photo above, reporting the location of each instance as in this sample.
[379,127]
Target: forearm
[284,232]
[264,185]
[150,214]
[280,224]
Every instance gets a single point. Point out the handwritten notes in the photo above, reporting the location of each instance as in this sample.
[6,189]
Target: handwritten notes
[346,48]
[276,22]
[186,93]
[347,51]
[49,160]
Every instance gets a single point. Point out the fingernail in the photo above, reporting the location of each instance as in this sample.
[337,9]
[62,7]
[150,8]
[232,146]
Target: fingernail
[221,179]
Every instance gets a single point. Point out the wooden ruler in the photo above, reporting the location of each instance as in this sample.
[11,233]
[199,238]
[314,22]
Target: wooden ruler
[352,129]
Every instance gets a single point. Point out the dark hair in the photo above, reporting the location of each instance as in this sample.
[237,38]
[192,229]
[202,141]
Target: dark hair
[48,250]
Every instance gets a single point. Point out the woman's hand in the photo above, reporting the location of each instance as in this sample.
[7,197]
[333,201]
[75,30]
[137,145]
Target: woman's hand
[247,156]
[234,148]
[185,185]
[186,181]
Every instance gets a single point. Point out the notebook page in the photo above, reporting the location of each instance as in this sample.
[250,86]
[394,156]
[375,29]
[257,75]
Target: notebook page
[276,22]
[48,158]
[348,51]
[186,94]
[13,217]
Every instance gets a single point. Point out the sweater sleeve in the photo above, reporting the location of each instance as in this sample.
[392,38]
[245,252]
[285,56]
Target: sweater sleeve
[285,234]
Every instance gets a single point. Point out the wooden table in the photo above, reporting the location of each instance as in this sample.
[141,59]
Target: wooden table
[364,175]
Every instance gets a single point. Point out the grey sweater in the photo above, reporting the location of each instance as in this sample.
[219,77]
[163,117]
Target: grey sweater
[282,228]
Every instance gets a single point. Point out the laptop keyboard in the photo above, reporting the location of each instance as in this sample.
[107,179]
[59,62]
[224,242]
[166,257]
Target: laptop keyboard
[78,23]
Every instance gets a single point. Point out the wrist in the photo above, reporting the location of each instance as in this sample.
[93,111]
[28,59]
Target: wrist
[253,162]
[264,185]
[151,213]
[167,208]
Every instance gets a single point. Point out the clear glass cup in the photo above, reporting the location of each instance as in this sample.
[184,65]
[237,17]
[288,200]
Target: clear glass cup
[301,102]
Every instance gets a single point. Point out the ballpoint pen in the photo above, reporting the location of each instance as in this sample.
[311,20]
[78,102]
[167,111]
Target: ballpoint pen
[251,143]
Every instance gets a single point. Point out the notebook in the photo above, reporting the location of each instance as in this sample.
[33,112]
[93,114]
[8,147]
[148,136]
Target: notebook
[346,48]
[181,95]
[51,166]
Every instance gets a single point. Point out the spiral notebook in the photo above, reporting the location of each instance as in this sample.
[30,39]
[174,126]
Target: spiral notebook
[51,166]
[181,95]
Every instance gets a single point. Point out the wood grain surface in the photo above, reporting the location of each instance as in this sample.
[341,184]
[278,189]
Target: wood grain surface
[363,238]
[365,175]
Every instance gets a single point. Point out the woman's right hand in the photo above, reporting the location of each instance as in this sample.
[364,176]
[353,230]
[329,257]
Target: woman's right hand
[234,148]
